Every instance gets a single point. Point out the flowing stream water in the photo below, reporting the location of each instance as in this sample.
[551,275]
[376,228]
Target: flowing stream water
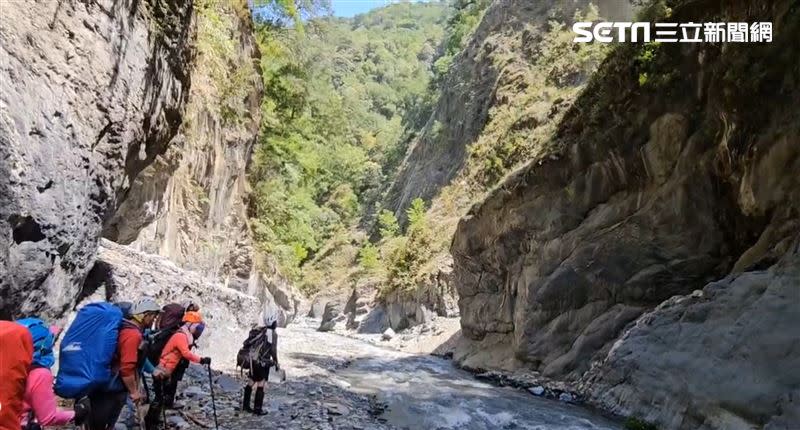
[425,392]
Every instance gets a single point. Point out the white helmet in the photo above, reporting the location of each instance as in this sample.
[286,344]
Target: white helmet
[268,318]
[143,305]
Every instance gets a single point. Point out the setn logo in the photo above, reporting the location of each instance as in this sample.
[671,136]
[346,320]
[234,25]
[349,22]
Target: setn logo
[713,32]
[603,31]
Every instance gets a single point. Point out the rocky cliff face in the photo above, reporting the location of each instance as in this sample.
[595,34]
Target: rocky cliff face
[91,93]
[487,74]
[672,170]
[190,205]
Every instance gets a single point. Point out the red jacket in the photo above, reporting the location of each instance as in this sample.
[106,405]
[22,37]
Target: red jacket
[130,337]
[176,348]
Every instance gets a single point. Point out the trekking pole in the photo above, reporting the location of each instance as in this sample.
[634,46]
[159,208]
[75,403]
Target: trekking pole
[162,404]
[213,401]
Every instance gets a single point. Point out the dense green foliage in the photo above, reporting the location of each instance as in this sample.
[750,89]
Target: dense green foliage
[341,98]
[465,17]
[344,97]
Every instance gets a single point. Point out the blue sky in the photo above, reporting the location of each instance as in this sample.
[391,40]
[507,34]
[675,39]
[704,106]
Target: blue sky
[354,7]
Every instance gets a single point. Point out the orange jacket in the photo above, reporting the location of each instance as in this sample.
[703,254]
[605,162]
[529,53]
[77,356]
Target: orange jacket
[177,347]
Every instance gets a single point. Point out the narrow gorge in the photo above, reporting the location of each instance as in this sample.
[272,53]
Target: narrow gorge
[461,217]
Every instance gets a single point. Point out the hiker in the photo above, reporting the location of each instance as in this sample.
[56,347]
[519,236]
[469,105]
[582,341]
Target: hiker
[190,306]
[177,348]
[106,404]
[169,322]
[39,403]
[15,362]
[171,387]
[259,352]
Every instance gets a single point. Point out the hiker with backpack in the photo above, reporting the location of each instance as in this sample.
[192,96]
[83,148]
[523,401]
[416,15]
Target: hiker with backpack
[15,362]
[176,349]
[100,357]
[39,403]
[169,322]
[258,353]
[171,387]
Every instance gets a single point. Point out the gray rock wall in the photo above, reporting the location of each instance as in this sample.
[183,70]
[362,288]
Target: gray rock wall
[720,358]
[506,35]
[655,190]
[90,94]
[190,205]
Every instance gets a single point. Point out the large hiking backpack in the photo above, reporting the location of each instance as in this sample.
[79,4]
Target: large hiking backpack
[43,341]
[87,351]
[126,308]
[15,361]
[256,349]
[169,322]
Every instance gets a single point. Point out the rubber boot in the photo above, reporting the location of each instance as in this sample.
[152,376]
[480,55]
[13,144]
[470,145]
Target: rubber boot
[248,390]
[258,407]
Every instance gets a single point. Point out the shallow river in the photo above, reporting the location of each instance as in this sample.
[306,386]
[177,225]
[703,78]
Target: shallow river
[424,392]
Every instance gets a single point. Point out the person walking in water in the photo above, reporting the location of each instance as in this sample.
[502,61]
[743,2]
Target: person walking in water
[177,348]
[258,353]
[39,404]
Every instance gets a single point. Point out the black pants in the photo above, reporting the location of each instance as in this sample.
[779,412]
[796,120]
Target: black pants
[259,372]
[105,410]
[171,386]
[153,416]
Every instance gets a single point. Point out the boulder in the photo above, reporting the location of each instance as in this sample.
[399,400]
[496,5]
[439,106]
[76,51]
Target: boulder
[331,316]
[375,321]
[388,334]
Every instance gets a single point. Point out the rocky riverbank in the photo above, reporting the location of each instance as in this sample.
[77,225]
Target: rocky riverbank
[338,382]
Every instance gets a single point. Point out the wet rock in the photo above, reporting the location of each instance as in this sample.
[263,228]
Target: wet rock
[566,397]
[329,317]
[388,334]
[337,409]
[537,391]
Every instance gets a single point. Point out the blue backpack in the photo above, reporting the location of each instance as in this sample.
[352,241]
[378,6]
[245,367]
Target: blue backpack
[43,341]
[87,352]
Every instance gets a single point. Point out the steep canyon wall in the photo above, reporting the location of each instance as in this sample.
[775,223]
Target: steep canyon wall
[91,93]
[675,168]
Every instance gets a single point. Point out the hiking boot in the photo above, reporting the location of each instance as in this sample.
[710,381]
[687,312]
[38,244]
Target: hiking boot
[258,407]
[260,412]
[248,391]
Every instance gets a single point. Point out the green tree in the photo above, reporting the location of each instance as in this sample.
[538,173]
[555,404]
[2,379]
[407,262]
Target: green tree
[388,224]
[340,105]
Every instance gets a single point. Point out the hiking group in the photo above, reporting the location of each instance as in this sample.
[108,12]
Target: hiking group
[103,359]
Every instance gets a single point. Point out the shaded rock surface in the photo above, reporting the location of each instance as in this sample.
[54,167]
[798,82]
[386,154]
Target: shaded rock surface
[737,339]
[91,94]
[331,315]
[651,190]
